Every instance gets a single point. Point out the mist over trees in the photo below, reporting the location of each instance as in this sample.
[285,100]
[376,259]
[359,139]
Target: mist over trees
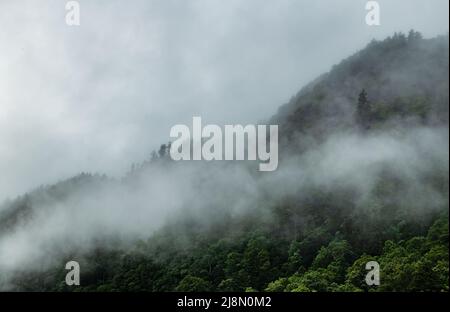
[363,176]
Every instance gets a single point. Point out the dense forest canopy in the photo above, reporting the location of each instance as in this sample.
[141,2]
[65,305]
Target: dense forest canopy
[363,176]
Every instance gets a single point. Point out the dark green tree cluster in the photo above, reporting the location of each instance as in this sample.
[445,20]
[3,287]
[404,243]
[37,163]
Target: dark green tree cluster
[261,260]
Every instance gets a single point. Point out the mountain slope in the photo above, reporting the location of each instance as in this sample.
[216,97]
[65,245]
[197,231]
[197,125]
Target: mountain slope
[403,76]
[345,193]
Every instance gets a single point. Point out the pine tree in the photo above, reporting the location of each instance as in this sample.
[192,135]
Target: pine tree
[364,110]
[162,151]
[414,36]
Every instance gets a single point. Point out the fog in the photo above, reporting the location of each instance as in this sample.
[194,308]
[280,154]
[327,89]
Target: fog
[102,95]
[210,192]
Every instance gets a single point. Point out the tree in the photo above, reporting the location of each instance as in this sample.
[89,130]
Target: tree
[256,261]
[356,273]
[228,285]
[335,257]
[162,151]
[364,110]
[193,284]
[277,285]
[295,260]
[414,36]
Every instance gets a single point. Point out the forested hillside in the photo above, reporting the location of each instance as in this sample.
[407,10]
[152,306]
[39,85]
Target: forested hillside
[363,176]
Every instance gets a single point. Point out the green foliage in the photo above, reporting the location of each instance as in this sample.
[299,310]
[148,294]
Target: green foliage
[262,261]
[193,284]
[318,242]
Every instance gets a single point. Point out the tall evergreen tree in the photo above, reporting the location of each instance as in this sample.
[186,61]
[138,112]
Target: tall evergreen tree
[162,151]
[364,110]
[414,36]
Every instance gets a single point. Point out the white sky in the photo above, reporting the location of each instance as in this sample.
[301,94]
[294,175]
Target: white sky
[104,94]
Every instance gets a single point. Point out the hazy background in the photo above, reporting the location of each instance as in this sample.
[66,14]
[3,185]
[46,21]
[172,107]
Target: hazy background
[102,95]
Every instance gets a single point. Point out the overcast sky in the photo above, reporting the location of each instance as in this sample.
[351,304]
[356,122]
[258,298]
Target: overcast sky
[99,96]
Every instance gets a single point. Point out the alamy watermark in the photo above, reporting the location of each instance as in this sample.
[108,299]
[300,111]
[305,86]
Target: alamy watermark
[236,142]
[373,276]
[73,276]
[73,13]
[373,14]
